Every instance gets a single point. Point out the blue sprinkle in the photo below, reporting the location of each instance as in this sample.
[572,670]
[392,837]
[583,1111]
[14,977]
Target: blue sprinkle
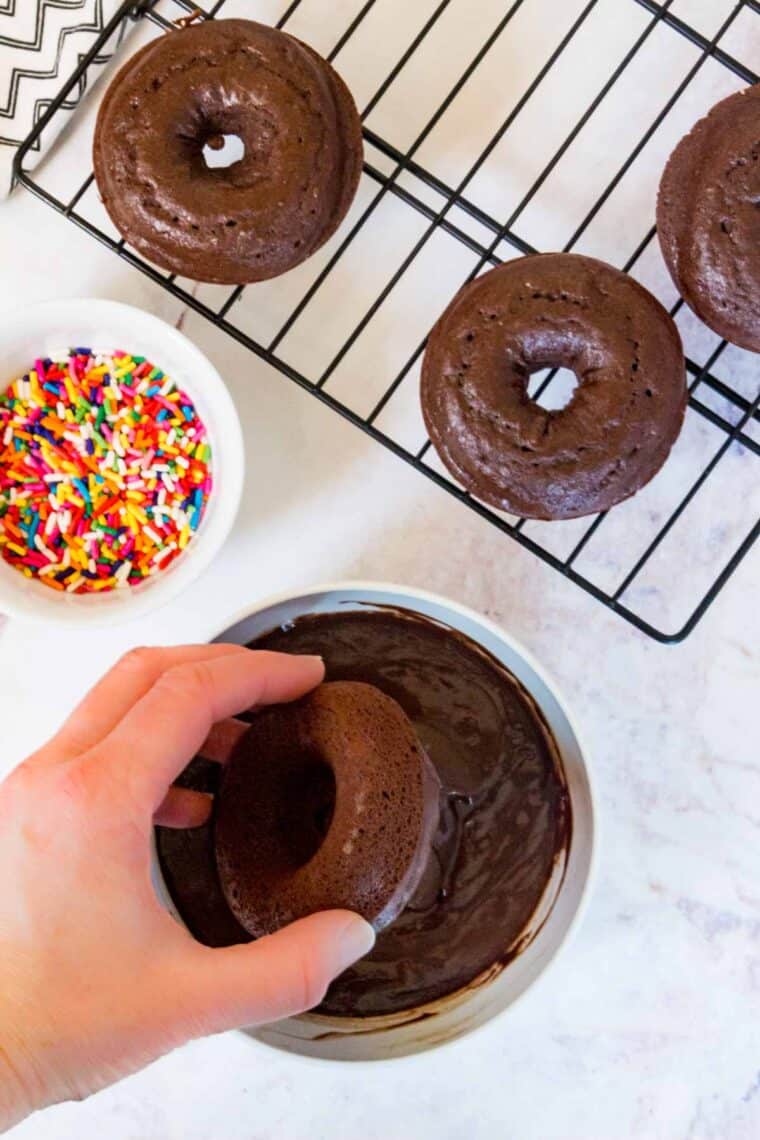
[153,390]
[162,415]
[198,497]
[50,386]
[158,452]
[33,528]
[82,488]
[62,575]
[195,518]
[18,444]
[99,479]
[89,446]
[82,351]
[187,411]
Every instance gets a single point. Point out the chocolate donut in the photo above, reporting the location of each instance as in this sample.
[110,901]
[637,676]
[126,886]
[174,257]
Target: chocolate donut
[552,311]
[329,802]
[708,219]
[259,216]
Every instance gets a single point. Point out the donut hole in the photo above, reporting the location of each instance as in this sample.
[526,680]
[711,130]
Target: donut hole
[306,804]
[552,394]
[222,150]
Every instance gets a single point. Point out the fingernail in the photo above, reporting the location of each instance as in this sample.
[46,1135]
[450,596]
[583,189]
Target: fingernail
[354,941]
[312,657]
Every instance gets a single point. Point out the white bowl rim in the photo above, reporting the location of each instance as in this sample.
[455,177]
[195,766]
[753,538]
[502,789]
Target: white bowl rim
[370,586]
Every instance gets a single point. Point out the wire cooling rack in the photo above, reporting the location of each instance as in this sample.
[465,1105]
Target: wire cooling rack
[579,178]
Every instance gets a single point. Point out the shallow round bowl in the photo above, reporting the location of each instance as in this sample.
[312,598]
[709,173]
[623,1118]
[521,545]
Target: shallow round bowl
[498,988]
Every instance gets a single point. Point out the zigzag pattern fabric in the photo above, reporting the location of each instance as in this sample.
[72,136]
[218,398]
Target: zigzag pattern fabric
[41,44]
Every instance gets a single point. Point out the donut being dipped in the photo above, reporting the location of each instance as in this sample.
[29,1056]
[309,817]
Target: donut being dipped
[259,216]
[328,802]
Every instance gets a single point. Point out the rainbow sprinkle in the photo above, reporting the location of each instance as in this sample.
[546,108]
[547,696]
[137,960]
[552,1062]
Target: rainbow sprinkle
[105,471]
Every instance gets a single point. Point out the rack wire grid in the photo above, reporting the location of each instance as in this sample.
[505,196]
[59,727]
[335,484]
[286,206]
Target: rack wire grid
[582,180]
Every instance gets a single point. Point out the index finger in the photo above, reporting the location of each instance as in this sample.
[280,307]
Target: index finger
[168,725]
[104,705]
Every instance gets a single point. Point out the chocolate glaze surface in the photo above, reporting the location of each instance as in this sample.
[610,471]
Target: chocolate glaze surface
[504,825]
[266,212]
[554,310]
[708,219]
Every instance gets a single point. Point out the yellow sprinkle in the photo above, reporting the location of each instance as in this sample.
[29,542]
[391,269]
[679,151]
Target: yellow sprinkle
[102,583]
[16,549]
[184,537]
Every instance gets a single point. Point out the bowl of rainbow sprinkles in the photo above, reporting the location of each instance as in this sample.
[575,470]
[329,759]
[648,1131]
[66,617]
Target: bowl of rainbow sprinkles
[121,462]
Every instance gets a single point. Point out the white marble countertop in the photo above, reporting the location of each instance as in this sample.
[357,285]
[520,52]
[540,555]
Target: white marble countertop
[648,1027]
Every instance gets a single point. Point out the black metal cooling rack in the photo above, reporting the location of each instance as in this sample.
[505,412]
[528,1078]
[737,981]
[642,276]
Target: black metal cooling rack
[456,213]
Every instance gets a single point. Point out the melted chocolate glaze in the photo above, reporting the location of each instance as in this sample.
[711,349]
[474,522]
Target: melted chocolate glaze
[505,811]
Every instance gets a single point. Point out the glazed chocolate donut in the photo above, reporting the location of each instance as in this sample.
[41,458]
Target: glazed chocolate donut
[329,802]
[553,310]
[259,216]
[708,220]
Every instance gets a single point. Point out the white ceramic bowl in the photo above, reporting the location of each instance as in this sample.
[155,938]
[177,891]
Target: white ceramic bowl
[375,1038]
[44,330]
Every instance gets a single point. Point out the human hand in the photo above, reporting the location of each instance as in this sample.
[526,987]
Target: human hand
[96,978]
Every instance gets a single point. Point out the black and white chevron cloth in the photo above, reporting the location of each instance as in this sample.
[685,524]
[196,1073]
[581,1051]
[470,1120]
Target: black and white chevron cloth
[41,43]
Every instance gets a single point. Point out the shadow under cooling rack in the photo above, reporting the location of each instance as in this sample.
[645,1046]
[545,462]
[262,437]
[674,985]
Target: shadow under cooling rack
[491,130]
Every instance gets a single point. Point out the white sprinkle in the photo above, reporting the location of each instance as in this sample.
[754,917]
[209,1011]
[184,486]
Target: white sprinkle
[163,553]
[60,410]
[154,538]
[43,549]
[180,459]
[123,572]
[56,478]
[168,483]
[7,435]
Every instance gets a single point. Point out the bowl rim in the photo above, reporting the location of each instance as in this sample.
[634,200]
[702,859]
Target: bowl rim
[228,436]
[295,593]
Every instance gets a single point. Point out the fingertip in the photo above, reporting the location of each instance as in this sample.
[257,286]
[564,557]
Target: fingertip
[348,936]
[183,808]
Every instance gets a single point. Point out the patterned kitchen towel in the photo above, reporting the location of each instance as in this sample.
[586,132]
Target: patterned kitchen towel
[41,44]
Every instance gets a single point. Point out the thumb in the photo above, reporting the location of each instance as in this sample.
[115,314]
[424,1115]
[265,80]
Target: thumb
[282,974]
